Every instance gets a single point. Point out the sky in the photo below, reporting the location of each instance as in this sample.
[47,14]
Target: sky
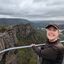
[32,9]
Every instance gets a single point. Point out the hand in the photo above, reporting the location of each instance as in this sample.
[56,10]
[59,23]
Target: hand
[32,45]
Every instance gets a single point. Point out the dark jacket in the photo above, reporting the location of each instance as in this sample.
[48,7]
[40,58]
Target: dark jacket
[51,53]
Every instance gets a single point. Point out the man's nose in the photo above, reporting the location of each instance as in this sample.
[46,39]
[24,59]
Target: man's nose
[51,32]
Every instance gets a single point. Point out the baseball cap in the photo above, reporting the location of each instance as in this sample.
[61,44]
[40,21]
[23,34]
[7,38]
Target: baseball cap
[52,25]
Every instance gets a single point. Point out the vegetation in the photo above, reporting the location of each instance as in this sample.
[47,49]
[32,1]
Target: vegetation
[27,56]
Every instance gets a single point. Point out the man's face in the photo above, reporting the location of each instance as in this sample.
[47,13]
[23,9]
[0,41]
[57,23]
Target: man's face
[52,33]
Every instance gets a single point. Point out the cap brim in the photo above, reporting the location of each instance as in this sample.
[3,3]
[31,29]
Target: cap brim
[56,27]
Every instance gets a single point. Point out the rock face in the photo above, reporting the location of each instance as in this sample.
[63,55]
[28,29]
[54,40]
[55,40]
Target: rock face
[24,30]
[7,40]
[2,46]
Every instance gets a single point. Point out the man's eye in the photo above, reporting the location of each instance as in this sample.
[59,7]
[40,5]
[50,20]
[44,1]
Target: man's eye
[54,30]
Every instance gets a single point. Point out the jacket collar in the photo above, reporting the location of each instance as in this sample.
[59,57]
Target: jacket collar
[55,42]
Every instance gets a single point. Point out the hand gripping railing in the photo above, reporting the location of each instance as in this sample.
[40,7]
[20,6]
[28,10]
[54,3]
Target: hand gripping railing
[20,47]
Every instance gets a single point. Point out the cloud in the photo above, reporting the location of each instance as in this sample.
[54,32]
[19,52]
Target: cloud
[32,8]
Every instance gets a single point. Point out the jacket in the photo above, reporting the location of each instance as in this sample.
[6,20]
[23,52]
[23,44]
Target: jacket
[51,53]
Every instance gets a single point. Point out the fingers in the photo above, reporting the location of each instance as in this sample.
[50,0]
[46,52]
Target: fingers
[32,45]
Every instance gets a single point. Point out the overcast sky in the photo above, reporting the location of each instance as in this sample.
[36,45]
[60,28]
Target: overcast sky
[32,9]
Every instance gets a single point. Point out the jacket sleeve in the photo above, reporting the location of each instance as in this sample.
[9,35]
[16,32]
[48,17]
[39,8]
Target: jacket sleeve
[60,48]
[37,50]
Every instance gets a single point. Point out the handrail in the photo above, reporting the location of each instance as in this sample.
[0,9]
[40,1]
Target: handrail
[20,47]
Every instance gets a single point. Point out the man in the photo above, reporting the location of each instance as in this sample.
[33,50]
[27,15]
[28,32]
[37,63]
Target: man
[52,51]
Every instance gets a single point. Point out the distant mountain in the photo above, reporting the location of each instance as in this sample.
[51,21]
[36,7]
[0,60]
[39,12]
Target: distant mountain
[13,21]
[50,21]
[36,24]
[43,24]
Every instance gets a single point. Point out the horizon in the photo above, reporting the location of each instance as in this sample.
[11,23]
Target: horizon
[34,20]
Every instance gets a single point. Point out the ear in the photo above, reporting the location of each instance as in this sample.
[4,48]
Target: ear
[60,32]
[46,30]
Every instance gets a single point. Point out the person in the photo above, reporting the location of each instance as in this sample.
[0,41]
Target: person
[52,52]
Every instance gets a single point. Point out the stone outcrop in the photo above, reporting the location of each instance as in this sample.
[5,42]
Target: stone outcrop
[24,30]
[8,39]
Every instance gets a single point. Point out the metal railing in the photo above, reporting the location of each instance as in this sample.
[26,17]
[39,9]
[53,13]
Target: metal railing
[20,47]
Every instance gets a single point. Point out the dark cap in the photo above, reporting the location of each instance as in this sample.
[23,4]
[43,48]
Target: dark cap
[52,25]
